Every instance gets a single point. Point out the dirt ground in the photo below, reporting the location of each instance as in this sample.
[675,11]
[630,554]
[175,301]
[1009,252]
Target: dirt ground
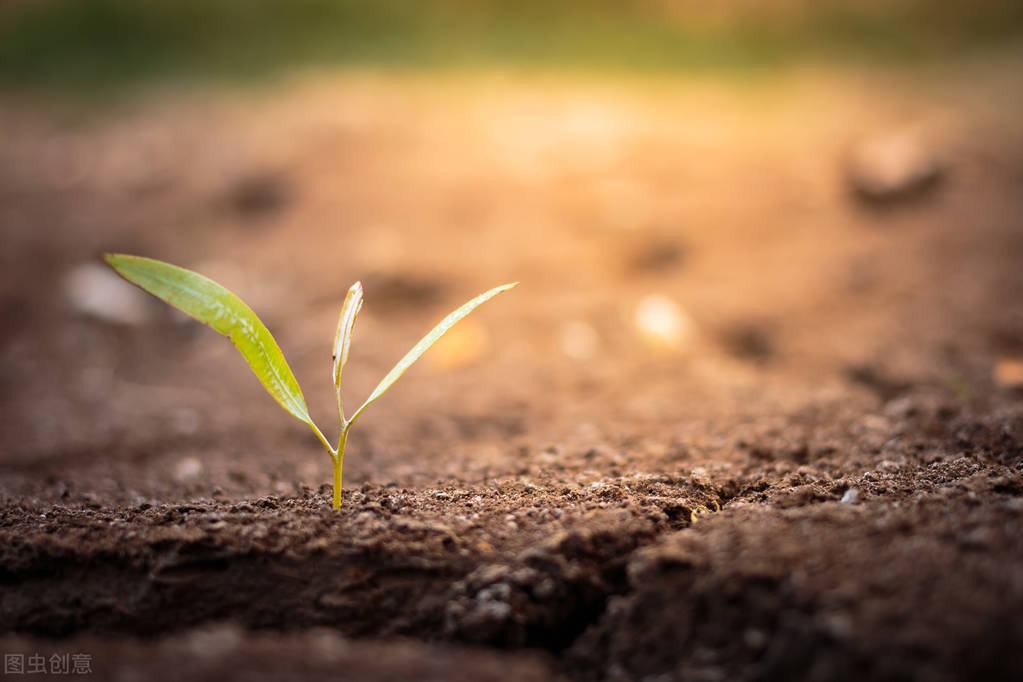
[805,463]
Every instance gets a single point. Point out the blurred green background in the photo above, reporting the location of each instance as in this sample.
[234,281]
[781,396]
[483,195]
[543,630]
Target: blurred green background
[70,44]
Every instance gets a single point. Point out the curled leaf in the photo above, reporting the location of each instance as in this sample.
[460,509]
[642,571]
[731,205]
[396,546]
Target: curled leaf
[343,336]
[211,303]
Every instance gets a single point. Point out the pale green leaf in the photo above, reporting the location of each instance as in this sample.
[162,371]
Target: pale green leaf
[427,341]
[343,336]
[209,302]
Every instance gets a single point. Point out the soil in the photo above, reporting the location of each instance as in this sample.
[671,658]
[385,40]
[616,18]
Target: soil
[816,473]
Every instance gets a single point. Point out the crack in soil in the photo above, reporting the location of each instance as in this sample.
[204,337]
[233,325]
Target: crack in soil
[387,565]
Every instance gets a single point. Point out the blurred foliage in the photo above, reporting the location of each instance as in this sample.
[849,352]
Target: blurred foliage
[93,43]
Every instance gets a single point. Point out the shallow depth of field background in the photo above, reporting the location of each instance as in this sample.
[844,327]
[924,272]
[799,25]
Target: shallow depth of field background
[754,412]
[71,44]
[755,199]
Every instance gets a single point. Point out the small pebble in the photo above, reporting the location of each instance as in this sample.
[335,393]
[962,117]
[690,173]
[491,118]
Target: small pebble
[187,468]
[892,166]
[94,290]
[851,496]
[662,323]
[1008,372]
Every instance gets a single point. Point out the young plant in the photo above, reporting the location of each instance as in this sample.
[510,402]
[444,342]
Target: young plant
[209,302]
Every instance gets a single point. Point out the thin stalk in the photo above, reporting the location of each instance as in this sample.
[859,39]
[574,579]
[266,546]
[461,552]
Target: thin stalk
[339,452]
[340,409]
[342,340]
[338,458]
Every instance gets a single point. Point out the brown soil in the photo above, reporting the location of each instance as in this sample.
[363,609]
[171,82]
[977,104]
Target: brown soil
[821,479]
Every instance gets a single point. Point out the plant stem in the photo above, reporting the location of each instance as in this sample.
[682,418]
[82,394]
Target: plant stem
[339,454]
[338,459]
[337,483]
[340,408]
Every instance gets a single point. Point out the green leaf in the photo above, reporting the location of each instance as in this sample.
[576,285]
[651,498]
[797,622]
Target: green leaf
[208,302]
[427,341]
[345,324]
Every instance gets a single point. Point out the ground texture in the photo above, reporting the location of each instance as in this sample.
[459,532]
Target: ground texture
[735,424]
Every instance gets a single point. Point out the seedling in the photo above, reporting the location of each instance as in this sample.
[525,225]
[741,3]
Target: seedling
[209,302]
